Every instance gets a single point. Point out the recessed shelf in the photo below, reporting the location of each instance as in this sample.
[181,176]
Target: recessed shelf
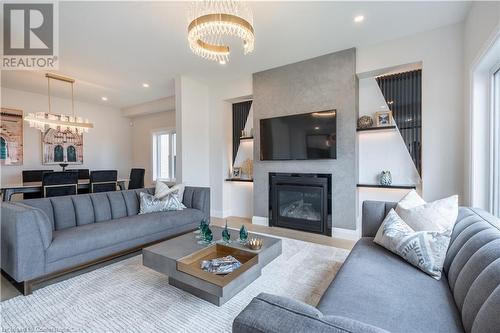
[239,180]
[246,138]
[404,187]
[376,128]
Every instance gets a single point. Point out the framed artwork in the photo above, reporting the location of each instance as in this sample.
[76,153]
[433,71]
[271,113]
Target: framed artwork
[384,118]
[11,137]
[62,147]
[236,173]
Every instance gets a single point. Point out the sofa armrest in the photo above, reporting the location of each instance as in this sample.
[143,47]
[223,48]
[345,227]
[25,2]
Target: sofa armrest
[197,198]
[374,213]
[26,233]
[276,314]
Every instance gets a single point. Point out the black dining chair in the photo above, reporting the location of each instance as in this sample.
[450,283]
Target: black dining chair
[136,178]
[33,176]
[55,184]
[83,174]
[103,181]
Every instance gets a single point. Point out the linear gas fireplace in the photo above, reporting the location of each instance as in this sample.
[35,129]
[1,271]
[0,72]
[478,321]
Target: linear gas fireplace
[301,201]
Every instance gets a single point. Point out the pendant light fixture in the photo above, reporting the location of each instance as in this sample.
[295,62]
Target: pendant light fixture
[64,123]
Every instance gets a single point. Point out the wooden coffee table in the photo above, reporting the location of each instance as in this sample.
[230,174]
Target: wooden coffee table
[180,257]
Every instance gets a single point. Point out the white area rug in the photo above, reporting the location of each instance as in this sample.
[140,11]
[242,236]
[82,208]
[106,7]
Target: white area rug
[128,297]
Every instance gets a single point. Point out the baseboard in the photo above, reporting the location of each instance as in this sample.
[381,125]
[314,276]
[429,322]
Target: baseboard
[260,220]
[345,233]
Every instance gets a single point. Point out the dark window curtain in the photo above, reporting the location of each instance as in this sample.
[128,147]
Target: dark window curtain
[403,94]
[240,115]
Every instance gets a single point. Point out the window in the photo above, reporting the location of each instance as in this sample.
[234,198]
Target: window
[495,143]
[164,155]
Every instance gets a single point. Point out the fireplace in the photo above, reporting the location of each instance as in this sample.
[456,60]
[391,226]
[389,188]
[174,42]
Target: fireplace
[301,201]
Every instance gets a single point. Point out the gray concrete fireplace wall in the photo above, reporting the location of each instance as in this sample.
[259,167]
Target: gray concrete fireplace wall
[322,83]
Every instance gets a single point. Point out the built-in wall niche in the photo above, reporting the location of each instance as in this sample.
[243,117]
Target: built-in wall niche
[403,95]
[242,130]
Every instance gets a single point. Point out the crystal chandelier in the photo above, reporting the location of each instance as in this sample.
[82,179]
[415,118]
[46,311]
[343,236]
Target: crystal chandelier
[63,123]
[212,20]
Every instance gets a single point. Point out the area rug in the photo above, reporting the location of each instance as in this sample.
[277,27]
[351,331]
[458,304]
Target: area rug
[128,297]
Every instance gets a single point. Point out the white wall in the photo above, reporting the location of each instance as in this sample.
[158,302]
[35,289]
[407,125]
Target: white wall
[106,146]
[142,129]
[192,127]
[441,53]
[228,198]
[482,27]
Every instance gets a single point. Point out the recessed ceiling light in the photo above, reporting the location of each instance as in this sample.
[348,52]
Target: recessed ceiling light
[316,128]
[145,85]
[104,98]
[359,18]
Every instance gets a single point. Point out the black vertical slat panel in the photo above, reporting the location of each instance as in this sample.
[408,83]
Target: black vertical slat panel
[405,92]
[240,115]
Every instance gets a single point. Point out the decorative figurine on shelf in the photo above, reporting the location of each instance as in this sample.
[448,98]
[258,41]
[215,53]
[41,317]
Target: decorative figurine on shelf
[243,235]
[385,178]
[226,236]
[365,122]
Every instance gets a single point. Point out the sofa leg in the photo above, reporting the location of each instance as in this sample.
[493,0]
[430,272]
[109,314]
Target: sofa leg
[27,288]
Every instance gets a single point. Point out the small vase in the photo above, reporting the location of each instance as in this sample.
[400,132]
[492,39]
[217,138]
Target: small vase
[243,235]
[385,178]
[226,236]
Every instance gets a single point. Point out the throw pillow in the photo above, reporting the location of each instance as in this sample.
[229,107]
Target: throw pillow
[411,200]
[151,204]
[439,215]
[161,190]
[425,250]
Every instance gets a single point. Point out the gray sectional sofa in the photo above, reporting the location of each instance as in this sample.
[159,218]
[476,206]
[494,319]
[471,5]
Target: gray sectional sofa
[45,238]
[377,291]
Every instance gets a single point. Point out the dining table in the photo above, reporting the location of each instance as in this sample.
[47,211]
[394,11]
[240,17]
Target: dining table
[8,190]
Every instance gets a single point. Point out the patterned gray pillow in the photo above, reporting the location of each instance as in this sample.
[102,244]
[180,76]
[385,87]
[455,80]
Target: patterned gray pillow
[150,204]
[423,249]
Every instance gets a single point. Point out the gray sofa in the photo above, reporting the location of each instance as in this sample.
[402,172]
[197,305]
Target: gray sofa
[377,291]
[45,238]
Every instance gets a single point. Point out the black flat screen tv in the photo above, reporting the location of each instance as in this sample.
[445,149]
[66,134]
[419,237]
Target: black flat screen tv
[308,136]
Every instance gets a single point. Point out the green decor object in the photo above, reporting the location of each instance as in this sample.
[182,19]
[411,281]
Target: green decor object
[385,178]
[226,236]
[208,235]
[243,234]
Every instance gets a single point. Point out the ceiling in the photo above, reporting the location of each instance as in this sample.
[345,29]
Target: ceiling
[111,48]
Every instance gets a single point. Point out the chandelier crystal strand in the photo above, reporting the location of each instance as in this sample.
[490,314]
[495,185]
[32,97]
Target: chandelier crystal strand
[64,123]
[212,20]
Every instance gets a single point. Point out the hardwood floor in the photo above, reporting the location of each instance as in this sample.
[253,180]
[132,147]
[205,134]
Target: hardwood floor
[236,222]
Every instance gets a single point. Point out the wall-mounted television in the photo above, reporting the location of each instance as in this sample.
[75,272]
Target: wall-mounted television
[308,136]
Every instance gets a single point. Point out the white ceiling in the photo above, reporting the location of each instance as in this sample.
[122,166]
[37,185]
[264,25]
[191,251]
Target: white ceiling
[111,48]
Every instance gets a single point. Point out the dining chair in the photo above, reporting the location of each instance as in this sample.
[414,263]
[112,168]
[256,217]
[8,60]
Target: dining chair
[33,176]
[103,181]
[82,175]
[55,184]
[136,178]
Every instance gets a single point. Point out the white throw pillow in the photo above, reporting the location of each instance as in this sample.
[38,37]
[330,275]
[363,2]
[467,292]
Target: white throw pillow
[425,250]
[411,200]
[162,190]
[439,215]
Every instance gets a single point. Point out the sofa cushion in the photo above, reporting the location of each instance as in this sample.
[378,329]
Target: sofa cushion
[84,210]
[117,204]
[64,212]
[473,268]
[74,241]
[379,288]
